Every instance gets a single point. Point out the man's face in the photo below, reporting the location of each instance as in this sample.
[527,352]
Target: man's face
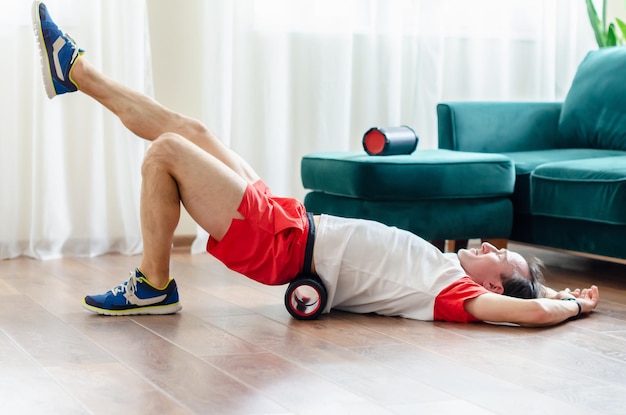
[486,265]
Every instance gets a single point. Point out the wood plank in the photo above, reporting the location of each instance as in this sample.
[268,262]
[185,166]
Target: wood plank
[47,339]
[177,373]
[106,388]
[196,336]
[26,388]
[470,384]
[296,388]
[343,366]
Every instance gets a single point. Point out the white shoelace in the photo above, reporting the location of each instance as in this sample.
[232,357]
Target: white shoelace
[128,287]
[76,51]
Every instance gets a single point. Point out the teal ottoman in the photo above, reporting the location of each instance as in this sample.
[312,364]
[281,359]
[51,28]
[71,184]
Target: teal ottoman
[437,194]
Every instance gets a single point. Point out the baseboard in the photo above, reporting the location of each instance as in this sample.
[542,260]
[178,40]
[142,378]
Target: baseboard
[182,241]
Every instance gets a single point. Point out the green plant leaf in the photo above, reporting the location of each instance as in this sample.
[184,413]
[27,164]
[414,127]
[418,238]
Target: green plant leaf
[596,24]
[611,38]
[622,27]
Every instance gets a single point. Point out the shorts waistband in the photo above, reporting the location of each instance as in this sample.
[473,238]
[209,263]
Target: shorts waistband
[310,241]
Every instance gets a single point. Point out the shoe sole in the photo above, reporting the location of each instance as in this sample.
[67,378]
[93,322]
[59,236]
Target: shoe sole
[43,53]
[153,310]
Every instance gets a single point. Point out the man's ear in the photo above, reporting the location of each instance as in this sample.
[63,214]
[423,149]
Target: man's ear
[494,288]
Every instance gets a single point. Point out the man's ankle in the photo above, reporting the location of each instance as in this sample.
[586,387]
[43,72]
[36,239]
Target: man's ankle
[77,72]
[156,279]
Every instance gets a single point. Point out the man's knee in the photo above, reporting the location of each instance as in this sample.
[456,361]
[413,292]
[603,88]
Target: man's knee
[168,142]
[162,151]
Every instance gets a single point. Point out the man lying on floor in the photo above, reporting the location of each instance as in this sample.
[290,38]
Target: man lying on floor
[366,267]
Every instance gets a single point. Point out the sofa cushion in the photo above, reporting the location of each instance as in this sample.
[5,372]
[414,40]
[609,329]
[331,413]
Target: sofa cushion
[594,111]
[592,190]
[527,161]
[425,174]
[496,127]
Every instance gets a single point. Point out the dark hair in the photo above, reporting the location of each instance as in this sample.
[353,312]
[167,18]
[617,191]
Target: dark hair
[516,285]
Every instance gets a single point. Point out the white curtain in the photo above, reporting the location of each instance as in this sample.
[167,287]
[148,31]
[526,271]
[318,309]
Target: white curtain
[279,79]
[69,172]
[288,77]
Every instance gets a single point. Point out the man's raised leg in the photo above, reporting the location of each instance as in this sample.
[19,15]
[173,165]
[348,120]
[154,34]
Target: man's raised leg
[148,119]
[66,70]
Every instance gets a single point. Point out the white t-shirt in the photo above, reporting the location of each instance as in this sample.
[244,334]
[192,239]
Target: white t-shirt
[368,267]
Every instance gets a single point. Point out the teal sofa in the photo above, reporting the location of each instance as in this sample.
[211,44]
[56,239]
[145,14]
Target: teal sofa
[569,157]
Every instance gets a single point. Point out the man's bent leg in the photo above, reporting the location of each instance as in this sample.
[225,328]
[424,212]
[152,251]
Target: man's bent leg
[150,284]
[175,170]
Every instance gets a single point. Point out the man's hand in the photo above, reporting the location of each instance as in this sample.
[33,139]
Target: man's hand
[587,297]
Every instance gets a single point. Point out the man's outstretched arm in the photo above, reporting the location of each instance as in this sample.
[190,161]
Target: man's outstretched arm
[533,313]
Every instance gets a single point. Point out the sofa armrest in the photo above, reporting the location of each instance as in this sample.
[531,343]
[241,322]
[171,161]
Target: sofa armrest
[498,127]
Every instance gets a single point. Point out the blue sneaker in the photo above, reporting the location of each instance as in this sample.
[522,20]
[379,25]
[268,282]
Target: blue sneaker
[135,296]
[57,50]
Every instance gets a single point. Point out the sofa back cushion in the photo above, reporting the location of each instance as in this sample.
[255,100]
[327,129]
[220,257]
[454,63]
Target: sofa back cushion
[594,111]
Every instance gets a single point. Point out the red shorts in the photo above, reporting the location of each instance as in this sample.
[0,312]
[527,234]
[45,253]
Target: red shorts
[269,243]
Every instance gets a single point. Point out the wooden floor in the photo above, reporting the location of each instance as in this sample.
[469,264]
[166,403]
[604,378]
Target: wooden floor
[235,350]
